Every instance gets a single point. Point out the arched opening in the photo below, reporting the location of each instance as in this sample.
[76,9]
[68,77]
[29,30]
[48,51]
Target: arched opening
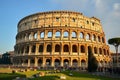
[66,63]
[94,37]
[82,49]
[33,48]
[57,48]
[66,48]
[75,63]
[65,34]
[73,19]
[100,51]
[25,36]
[107,52]
[104,51]
[57,34]
[57,62]
[22,50]
[87,22]
[98,38]
[27,49]
[87,36]
[26,61]
[49,48]
[95,50]
[30,37]
[32,61]
[40,48]
[48,62]
[83,63]
[35,36]
[103,40]
[49,34]
[40,62]
[81,35]
[42,35]
[89,50]
[74,35]
[74,48]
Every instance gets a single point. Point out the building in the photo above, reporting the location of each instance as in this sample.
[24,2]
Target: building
[11,54]
[114,59]
[6,58]
[60,39]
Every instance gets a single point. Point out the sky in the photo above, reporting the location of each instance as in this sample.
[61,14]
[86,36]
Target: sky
[12,11]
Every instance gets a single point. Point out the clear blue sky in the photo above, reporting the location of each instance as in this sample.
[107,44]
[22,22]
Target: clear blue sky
[11,11]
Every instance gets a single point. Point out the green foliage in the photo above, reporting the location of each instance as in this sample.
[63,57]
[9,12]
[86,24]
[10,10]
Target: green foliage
[92,62]
[114,41]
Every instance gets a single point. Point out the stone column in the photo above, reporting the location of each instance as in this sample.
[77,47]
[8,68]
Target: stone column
[32,36]
[30,49]
[78,35]
[52,62]
[45,34]
[86,49]
[61,62]
[70,35]
[79,62]
[53,35]
[53,48]
[24,51]
[44,49]
[43,62]
[28,62]
[38,35]
[61,48]
[70,61]
[37,47]
[70,48]
[36,62]
[78,49]
[61,35]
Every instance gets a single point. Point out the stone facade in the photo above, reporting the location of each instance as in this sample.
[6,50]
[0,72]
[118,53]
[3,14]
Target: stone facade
[59,39]
[114,60]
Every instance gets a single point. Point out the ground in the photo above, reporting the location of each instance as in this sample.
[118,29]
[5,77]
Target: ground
[5,74]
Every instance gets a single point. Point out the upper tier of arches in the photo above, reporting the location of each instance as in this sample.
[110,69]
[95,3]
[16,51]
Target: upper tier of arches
[59,34]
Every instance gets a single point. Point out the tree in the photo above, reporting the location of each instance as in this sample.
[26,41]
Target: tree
[5,58]
[92,62]
[115,42]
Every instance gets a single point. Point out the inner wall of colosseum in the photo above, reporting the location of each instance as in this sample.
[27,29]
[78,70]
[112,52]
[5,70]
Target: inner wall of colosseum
[60,39]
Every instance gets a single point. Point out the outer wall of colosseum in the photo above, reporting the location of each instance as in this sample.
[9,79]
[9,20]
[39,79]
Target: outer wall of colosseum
[60,39]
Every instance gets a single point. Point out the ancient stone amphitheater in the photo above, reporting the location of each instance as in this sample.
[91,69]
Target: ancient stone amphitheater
[60,39]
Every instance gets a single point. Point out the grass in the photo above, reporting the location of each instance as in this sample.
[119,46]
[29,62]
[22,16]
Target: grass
[52,76]
[29,73]
[10,76]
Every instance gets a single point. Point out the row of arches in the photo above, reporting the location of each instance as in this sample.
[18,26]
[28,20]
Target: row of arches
[58,62]
[57,48]
[59,34]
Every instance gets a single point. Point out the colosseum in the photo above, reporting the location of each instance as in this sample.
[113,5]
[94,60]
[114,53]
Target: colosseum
[60,39]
